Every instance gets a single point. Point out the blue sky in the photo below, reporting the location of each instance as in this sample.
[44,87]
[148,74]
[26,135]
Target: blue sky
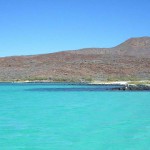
[45,26]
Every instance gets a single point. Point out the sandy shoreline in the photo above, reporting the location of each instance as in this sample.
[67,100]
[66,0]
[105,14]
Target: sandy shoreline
[110,83]
[125,83]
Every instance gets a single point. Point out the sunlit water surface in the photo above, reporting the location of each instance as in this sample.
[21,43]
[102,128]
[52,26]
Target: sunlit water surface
[73,117]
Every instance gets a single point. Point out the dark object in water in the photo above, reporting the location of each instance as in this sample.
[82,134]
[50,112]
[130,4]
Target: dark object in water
[134,88]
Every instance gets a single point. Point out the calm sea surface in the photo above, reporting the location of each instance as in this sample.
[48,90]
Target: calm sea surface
[73,117]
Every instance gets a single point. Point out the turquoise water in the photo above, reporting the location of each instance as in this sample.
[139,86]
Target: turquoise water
[72,117]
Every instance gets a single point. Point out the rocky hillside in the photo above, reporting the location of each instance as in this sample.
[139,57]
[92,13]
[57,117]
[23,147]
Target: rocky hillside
[127,61]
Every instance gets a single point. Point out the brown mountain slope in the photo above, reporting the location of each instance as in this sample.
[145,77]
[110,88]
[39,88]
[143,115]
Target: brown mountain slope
[132,47]
[135,47]
[129,60]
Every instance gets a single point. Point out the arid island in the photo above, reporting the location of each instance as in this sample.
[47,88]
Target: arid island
[128,62]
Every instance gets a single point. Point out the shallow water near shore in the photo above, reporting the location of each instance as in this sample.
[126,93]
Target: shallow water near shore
[72,117]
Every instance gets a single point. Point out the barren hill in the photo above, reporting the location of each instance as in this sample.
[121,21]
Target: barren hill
[127,61]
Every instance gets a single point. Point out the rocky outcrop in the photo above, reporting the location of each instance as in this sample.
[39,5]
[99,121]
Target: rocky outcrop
[134,88]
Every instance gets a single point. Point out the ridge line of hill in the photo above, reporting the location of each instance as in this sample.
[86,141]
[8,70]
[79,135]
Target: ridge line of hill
[129,60]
